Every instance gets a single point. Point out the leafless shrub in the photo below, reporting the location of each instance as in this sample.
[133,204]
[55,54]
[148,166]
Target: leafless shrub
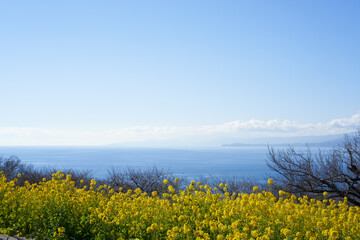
[12,166]
[235,184]
[336,171]
[148,180]
[35,175]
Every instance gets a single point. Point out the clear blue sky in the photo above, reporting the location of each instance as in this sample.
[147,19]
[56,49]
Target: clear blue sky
[100,66]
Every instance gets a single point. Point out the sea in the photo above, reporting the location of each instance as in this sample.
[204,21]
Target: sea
[193,163]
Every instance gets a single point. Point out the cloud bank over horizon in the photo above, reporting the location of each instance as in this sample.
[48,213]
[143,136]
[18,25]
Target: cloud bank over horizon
[20,136]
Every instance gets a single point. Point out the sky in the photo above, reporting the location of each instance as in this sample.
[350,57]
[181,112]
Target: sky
[103,72]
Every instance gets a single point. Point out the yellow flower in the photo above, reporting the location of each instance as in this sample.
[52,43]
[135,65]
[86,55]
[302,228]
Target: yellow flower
[286,232]
[189,213]
[165,181]
[270,181]
[334,234]
[325,194]
[68,177]
[255,233]
[219,237]
[171,189]
[137,191]
[93,182]
[269,231]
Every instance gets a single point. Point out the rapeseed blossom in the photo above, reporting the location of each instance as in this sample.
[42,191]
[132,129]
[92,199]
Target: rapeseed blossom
[56,209]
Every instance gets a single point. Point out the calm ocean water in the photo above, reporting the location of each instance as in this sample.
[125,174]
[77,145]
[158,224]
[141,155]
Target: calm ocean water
[190,162]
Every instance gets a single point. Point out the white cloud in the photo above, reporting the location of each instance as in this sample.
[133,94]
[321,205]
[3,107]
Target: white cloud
[251,128]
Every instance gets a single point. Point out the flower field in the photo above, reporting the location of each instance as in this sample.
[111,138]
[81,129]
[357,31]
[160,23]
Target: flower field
[56,209]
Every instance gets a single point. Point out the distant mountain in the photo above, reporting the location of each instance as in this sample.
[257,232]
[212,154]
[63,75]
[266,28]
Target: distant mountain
[312,141]
[244,145]
[226,141]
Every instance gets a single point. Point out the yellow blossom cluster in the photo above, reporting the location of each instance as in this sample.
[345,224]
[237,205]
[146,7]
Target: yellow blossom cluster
[56,209]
